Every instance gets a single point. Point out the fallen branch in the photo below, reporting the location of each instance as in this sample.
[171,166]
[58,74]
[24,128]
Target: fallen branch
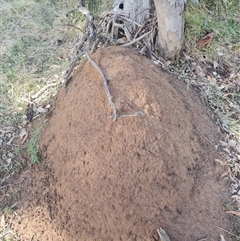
[89,36]
[90,23]
[110,99]
[234,213]
[136,40]
[70,69]
[41,91]
[113,28]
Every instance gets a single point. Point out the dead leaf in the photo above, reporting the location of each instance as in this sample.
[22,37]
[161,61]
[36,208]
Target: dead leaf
[234,213]
[200,71]
[225,174]
[232,143]
[2,222]
[222,238]
[41,110]
[223,143]
[206,40]
[54,66]
[236,198]
[219,161]
[215,64]
[25,138]
[11,140]
[22,133]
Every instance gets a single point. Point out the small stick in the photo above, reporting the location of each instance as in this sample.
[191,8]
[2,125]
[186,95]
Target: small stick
[163,235]
[110,99]
[146,24]
[70,69]
[139,113]
[224,230]
[70,25]
[203,239]
[41,91]
[137,39]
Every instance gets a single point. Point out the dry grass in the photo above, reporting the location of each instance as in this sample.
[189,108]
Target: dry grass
[35,50]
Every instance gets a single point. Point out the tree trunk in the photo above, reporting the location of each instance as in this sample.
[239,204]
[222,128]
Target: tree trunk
[170,26]
[137,10]
[170,21]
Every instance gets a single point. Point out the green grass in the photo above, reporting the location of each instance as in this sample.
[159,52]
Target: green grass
[207,17]
[8,211]
[221,18]
[11,237]
[98,6]
[36,46]
[33,145]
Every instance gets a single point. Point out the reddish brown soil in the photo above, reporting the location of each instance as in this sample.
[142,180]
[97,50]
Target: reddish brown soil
[104,180]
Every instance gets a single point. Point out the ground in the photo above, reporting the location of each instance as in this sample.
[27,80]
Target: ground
[121,180]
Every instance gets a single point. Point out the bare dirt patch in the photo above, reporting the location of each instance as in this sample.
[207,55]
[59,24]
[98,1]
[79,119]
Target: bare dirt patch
[104,180]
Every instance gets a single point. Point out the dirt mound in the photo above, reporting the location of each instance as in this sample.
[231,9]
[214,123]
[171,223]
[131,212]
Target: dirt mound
[104,180]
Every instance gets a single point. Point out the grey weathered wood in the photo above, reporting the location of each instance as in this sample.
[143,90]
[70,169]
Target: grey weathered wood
[170,25]
[136,10]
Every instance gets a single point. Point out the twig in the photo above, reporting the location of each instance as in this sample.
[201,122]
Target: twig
[163,235]
[142,12]
[137,39]
[139,113]
[203,239]
[90,19]
[224,230]
[131,21]
[222,238]
[41,91]
[205,137]
[70,69]
[144,25]
[70,25]
[110,98]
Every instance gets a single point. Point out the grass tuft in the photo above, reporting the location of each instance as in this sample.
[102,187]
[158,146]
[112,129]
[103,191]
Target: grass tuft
[36,46]
[33,145]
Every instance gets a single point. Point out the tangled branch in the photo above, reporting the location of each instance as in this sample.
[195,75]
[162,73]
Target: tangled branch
[112,29]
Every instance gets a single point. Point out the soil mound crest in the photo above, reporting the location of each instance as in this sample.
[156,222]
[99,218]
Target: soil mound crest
[122,180]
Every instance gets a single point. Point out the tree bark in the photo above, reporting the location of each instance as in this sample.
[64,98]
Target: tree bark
[170,26]
[170,21]
[137,10]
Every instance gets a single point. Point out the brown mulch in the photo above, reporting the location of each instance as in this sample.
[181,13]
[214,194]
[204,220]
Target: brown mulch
[104,180]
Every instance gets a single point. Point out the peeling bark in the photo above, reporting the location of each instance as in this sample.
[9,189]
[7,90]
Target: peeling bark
[170,21]
[134,10]
[170,26]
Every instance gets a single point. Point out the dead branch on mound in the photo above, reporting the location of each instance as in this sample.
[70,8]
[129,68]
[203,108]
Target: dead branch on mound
[113,28]
[70,69]
[139,113]
[110,99]
[88,38]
